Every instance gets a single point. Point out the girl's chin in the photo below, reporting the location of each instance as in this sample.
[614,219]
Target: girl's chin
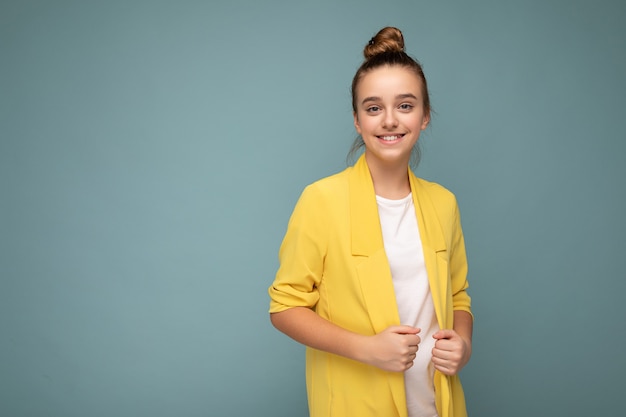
[388,156]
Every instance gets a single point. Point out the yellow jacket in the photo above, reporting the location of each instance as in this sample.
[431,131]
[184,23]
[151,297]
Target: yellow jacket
[332,260]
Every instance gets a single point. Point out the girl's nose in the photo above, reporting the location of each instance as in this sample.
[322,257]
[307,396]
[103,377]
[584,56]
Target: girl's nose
[390,120]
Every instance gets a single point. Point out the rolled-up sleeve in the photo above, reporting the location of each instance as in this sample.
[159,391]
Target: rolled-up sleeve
[301,255]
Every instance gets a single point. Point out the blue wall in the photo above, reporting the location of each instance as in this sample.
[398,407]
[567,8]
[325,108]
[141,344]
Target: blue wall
[152,151]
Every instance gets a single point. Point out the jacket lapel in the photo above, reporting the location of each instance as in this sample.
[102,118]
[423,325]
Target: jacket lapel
[434,247]
[367,242]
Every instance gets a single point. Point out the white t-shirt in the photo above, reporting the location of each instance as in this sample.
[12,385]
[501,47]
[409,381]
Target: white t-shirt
[403,247]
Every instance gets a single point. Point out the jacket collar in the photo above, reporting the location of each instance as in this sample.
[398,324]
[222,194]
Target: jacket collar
[366,233]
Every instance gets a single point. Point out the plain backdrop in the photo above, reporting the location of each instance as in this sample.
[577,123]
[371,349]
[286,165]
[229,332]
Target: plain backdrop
[151,153]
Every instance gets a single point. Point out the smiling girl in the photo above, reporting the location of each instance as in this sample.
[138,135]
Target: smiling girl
[372,275]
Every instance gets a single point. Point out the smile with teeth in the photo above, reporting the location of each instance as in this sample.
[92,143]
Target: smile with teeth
[390,138]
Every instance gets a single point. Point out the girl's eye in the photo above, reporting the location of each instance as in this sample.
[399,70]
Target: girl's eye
[373,109]
[405,106]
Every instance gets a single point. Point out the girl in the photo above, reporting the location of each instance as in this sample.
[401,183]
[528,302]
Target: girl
[372,275]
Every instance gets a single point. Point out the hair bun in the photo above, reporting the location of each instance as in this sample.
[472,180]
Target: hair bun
[388,39]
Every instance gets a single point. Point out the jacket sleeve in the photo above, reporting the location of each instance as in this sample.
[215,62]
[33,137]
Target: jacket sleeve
[458,264]
[301,255]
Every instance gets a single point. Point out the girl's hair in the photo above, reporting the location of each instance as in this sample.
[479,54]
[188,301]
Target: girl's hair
[386,48]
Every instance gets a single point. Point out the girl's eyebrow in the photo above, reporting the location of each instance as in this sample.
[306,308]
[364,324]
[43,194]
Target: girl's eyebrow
[366,99]
[398,97]
[406,95]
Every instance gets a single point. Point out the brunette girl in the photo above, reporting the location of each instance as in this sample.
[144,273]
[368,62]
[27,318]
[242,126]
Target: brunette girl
[372,275]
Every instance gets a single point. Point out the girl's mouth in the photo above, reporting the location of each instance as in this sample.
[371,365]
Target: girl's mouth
[390,138]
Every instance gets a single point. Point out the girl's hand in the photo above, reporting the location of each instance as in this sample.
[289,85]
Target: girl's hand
[393,349]
[451,352]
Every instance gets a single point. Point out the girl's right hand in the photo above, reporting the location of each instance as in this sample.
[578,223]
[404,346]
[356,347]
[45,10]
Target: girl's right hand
[393,349]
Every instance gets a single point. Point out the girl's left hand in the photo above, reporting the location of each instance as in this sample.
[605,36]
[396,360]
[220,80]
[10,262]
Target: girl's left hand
[451,352]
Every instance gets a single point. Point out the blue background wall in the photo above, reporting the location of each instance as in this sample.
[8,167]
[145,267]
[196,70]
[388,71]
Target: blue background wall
[152,151]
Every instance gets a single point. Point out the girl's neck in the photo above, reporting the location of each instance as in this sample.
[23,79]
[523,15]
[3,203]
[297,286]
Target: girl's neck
[390,181]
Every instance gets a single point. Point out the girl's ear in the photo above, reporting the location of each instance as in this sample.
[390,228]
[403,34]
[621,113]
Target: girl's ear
[356,123]
[426,121]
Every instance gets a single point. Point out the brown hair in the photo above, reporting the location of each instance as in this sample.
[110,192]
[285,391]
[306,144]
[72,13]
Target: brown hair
[386,48]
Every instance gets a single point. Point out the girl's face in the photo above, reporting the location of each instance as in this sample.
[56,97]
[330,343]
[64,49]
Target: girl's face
[390,114]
